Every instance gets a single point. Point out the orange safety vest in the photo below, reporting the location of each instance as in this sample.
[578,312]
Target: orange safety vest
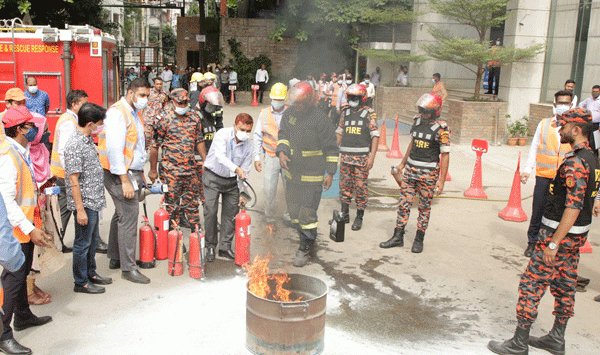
[56,167]
[550,153]
[130,137]
[270,131]
[26,191]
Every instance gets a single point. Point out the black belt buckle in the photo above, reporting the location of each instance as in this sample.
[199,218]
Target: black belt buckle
[337,227]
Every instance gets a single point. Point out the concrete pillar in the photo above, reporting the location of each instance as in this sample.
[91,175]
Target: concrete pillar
[591,74]
[521,83]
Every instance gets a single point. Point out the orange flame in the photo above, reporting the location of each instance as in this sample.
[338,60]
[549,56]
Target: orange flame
[259,277]
[270,229]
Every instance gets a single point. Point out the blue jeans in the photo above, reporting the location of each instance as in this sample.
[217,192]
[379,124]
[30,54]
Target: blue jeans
[84,248]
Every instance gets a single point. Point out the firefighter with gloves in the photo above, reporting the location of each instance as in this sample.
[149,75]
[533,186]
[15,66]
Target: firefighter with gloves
[178,133]
[210,106]
[565,225]
[357,137]
[307,150]
[427,158]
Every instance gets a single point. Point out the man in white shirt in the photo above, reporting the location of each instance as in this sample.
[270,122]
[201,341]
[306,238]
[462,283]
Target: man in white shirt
[122,150]
[227,164]
[545,155]
[233,82]
[262,78]
[167,77]
[370,90]
[592,104]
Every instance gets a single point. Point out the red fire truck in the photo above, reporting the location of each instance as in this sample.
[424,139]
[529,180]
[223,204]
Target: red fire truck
[77,57]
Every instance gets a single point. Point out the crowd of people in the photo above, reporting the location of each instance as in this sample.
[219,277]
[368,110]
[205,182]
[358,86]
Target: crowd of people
[309,130]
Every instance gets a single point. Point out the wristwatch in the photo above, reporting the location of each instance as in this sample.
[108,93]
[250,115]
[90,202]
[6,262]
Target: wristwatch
[552,246]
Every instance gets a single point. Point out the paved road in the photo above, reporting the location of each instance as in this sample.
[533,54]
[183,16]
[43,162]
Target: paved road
[449,300]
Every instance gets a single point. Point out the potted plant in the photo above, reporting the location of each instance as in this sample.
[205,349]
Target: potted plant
[513,129]
[523,129]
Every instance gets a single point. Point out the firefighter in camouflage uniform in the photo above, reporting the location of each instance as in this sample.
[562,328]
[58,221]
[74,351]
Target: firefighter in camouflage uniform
[307,150]
[565,225]
[426,159]
[178,134]
[156,103]
[357,137]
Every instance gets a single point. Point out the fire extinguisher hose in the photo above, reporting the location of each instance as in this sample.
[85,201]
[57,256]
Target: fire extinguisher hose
[253,197]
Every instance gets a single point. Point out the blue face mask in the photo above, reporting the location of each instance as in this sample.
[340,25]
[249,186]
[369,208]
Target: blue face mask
[31,134]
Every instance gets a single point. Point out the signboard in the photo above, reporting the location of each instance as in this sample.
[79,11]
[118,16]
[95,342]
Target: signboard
[200,38]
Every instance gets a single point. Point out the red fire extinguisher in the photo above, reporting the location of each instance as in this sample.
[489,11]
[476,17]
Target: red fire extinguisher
[175,251]
[146,246]
[196,260]
[161,226]
[242,237]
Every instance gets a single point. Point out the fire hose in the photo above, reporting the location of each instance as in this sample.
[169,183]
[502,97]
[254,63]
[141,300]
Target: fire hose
[245,195]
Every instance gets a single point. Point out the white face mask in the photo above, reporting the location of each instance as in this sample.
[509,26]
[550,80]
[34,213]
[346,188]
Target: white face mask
[353,103]
[194,86]
[277,105]
[141,103]
[367,81]
[182,110]
[339,82]
[348,82]
[433,81]
[33,89]
[560,109]
[242,136]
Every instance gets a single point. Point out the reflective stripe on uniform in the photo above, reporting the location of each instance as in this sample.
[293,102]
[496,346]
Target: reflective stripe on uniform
[283,141]
[310,225]
[332,159]
[574,230]
[312,153]
[311,178]
[354,149]
[421,164]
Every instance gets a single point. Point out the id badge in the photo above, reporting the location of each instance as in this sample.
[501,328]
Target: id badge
[133,182]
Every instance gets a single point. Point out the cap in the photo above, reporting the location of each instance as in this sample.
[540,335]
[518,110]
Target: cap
[197,77]
[15,116]
[179,95]
[14,94]
[575,115]
[210,76]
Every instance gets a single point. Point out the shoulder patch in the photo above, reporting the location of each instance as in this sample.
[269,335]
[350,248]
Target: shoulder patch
[570,182]
[442,123]
[292,120]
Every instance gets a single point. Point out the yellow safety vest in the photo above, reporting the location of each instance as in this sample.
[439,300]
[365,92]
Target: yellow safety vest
[26,196]
[56,167]
[130,137]
[550,153]
[270,131]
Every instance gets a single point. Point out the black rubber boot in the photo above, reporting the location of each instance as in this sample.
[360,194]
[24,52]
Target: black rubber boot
[516,345]
[553,342]
[303,253]
[346,212]
[397,240]
[529,250]
[357,225]
[417,246]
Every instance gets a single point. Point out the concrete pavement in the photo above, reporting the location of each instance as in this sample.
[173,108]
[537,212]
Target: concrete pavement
[451,299]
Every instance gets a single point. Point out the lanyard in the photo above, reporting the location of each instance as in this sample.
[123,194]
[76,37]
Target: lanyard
[28,163]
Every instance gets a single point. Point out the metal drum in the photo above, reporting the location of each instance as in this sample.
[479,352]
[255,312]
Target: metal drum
[274,327]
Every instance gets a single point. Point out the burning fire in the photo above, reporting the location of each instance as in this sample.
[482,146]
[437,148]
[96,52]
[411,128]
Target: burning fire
[259,277]
[270,229]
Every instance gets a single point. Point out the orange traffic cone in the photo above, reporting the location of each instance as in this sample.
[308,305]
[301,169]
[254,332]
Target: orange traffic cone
[586,248]
[254,96]
[232,98]
[480,146]
[382,146]
[395,151]
[514,211]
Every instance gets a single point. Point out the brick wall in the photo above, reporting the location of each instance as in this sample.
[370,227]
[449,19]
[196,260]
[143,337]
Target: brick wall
[187,29]
[253,34]
[537,112]
[397,100]
[469,120]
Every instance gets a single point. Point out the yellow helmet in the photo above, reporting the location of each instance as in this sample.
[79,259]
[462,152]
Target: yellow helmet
[209,76]
[278,91]
[197,77]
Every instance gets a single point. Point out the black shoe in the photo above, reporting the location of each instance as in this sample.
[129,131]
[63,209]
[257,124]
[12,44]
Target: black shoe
[397,240]
[89,288]
[417,246]
[99,280]
[228,254]
[553,342]
[597,298]
[358,221]
[210,254]
[11,346]
[346,212]
[114,264]
[31,322]
[66,249]
[101,248]
[516,345]
[135,276]
[529,250]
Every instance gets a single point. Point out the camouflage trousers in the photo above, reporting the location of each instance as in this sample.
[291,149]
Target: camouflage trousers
[416,181]
[561,277]
[353,182]
[184,196]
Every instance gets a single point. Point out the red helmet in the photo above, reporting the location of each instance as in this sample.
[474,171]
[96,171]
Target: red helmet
[430,103]
[211,95]
[302,95]
[356,90]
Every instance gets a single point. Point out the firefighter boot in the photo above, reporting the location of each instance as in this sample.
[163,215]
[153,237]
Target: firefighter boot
[397,240]
[516,345]
[303,253]
[357,225]
[346,212]
[553,342]
[418,242]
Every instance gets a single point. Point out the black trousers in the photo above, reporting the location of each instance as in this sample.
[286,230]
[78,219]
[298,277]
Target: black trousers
[262,86]
[15,293]
[493,75]
[228,190]
[537,210]
[303,202]
[225,91]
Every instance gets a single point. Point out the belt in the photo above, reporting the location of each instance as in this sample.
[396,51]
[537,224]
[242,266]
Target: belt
[136,171]
[217,175]
[574,230]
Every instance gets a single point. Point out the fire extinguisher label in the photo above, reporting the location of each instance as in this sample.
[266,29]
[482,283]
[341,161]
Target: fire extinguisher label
[249,232]
[166,225]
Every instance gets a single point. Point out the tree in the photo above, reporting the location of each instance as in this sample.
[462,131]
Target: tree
[480,15]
